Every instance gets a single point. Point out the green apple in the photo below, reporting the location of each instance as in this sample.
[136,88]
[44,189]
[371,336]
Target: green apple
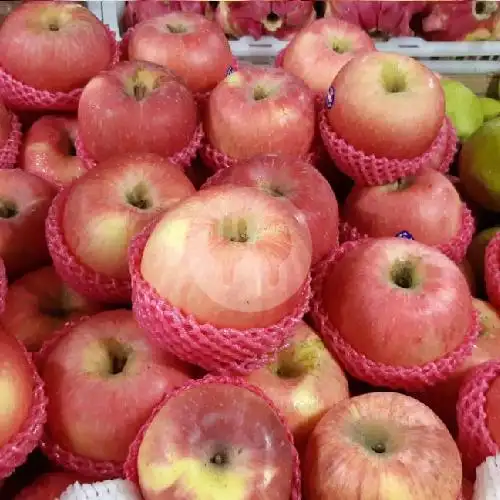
[491,108]
[463,107]
[479,166]
[476,250]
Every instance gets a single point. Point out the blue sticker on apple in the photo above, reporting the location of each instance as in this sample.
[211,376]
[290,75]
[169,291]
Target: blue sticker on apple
[330,98]
[229,70]
[405,234]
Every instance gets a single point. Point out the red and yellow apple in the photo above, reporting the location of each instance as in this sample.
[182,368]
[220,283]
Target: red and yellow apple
[49,486]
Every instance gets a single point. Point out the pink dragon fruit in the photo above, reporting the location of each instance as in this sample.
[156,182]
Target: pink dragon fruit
[258,18]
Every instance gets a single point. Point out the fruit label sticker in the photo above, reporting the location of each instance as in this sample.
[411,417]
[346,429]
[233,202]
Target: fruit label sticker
[229,70]
[330,98]
[405,234]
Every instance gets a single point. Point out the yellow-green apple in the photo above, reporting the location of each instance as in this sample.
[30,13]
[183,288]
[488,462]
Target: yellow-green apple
[476,250]
[388,105]
[237,258]
[304,382]
[319,50]
[24,203]
[49,486]
[110,204]
[215,441]
[477,166]
[382,445]
[414,290]
[295,181]
[49,151]
[187,43]
[426,204]
[258,110]
[490,107]
[54,46]
[136,107]
[103,378]
[38,304]
[5,124]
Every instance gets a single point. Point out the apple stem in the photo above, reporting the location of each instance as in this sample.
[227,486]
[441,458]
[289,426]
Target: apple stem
[7,210]
[140,91]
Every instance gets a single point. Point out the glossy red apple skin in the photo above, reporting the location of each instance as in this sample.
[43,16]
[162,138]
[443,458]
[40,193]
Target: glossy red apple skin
[242,127]
[420,461]
[57,61]
[5,125]
[318,52]
[49,486]
[304,382]
[363,301]
[100,218]
[112,121]
[219,276]
[200,54]
[38,304]
[24,203]
[174,459]
[372,119]
[427,205]
[87,403]
[48,150]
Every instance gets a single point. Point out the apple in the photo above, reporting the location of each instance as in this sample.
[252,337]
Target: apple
[477,249]
[260,110]
[467,489]
[388,105]
[5,125]
[215,440]
[304,382]
[54,46]
[468,272]
[388,285]
[188,44]
[237,258]
[106,207]
[49,150]
[103,379]
[319,50]
[24,203]
[49,486]
[295,181]
[38,304]
[136,107]
[382,445]
[426,204]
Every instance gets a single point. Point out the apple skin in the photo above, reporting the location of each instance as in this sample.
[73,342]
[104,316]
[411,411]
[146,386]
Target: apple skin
[60,60]
[49,486]
[318,51]
[477,249]
[304,382]
[237,258]
[258,110]
[48,150]
[431,311]
[109,205]
[5,125]
[88,403]
[177,454]
[136,107]
[188,44]
[391,124]
[426,204]
[468,272]
[38,304]
[295,181]
[417,456]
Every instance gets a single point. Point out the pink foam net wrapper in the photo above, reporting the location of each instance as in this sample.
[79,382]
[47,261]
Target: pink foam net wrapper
[410,379]
[10,150]
[474,438]
[57,454]
[112,489]
[225,351]
[492,270]
[130,468]
[80,277]
[20,96]
[455,249]
[445,151]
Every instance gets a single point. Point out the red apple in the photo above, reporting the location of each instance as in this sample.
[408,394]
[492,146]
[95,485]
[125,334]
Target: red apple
[110,204]
[49,486]
[54,46]
[259,110]
[237,258]
[382,445]
[293,180]
[426,204]
[24,203]
[304,382]
[387,294]
[215,441]
[40,303]
[49,150]
[5,125]
[188,44]
[136,107]
[388,105]
[319,50]
[103,379]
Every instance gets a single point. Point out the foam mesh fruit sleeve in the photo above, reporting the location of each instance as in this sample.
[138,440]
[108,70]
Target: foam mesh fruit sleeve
[492,270]
[10,150]
[113,489]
